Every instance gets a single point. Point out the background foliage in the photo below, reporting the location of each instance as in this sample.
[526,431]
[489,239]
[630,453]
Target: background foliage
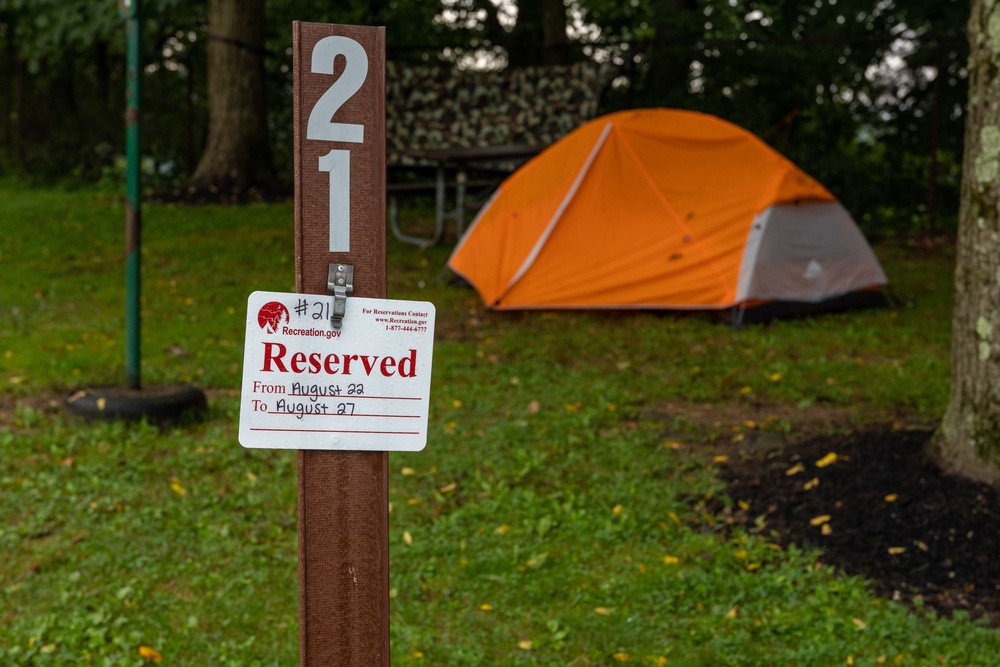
[866,95]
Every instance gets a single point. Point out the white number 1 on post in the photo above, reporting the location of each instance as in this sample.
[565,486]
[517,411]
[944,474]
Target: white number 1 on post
[321,127]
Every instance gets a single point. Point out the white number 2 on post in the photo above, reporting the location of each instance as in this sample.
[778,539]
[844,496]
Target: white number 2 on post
[321,127]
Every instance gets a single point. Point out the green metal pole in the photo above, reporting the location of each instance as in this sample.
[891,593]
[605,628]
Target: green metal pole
[133,212]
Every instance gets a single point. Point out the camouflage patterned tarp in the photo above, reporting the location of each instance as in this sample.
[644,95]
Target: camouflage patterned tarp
[434,107]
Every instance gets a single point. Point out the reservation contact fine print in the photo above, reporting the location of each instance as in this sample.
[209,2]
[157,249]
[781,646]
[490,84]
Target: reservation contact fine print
[309,385]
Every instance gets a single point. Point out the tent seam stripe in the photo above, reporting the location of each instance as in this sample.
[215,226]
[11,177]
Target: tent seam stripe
[570,194]
[748,263]
[698,245]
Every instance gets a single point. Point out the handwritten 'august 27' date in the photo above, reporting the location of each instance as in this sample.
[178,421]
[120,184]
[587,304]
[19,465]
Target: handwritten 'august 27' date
[313,406]
[301,408]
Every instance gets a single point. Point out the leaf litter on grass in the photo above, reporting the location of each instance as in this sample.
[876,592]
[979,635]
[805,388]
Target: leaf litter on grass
[524,431]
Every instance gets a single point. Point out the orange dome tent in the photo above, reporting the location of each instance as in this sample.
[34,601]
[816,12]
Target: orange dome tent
[668,209]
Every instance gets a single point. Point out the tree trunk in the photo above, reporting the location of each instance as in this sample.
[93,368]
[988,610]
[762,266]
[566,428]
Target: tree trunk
[539,36]
[21,129]
[968,441]
[555,43]
[237,153]
[8,118]
[670,60]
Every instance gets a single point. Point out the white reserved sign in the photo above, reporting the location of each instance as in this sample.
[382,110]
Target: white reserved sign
[365,386]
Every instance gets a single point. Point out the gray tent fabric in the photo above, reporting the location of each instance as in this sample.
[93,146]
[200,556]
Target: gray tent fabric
[807,252]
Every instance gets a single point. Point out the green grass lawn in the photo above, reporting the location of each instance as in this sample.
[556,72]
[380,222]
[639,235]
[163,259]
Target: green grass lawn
[548,521]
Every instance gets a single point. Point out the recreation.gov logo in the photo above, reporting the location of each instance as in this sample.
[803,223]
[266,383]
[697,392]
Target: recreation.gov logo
[272,315]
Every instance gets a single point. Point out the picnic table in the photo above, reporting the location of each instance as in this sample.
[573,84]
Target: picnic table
[460,131]
[452,167]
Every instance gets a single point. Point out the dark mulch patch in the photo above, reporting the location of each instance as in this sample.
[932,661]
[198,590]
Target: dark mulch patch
[894,518]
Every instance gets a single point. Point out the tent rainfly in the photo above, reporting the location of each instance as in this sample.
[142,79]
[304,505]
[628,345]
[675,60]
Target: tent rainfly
[666,209]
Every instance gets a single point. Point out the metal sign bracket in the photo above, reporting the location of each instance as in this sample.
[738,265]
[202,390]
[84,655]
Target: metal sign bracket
[339,284]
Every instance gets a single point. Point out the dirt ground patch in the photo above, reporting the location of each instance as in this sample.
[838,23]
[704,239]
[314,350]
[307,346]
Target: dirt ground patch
[50,404]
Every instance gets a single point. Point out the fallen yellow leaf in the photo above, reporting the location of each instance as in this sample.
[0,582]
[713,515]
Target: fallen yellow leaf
[795,470]
[861,624]
[407,471]
[486,607]
[811,484]
[449,488]
[150,654]
[407,538]
[671,560]
[895,551]
[827,460]
[175,484]
[891,498]
[622,657]
[721,458]
[524,644]
[819,520]
[732,612]
[502,529]
[603,611]
[826,529]
[617,510]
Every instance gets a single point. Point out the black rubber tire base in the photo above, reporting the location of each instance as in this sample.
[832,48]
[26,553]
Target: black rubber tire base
[157,403]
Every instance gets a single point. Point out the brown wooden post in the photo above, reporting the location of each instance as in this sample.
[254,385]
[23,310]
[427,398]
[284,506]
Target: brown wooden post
[343,496]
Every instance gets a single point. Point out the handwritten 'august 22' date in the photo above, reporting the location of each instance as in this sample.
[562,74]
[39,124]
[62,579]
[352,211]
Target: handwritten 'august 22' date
[316,391]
